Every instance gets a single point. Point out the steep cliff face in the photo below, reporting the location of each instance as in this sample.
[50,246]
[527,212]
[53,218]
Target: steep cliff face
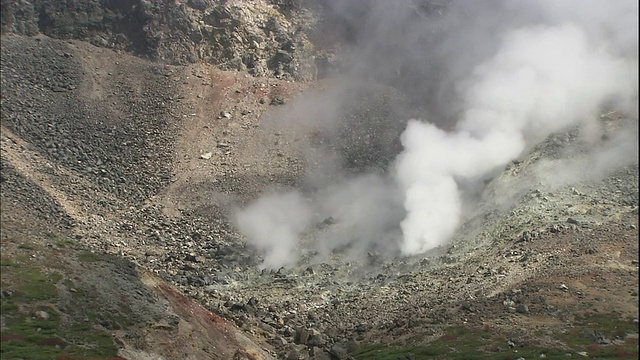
[265,38]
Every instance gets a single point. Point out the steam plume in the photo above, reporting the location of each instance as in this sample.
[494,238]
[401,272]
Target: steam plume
[492,79]
[273,224]
[542,79]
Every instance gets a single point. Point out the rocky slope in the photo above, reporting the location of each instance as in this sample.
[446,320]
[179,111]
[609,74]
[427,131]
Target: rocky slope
[261,37]
[119,176]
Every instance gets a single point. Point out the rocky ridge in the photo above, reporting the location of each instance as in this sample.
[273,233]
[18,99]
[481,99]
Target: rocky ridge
[265,38]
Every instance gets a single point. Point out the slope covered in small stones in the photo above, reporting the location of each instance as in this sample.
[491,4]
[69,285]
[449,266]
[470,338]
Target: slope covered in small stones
[86,142]
[115,144]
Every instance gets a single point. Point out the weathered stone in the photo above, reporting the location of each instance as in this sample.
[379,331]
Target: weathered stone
[339,351]
[302,336]
[316,338]
[277,100]
[522,309]
[42,315]
[297,352]
[319,354]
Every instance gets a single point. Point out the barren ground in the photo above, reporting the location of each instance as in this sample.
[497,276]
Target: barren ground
[118,176]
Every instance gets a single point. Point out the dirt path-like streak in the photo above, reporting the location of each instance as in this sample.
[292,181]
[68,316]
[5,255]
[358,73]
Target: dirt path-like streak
[27,162]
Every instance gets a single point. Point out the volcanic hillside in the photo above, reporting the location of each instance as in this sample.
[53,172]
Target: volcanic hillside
[229,180]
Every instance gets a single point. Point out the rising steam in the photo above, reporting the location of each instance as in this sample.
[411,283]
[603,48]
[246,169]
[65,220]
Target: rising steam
[551,65]
[542,80]
[273,224]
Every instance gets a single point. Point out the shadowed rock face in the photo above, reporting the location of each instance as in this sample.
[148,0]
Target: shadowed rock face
[250,36]
[298,39]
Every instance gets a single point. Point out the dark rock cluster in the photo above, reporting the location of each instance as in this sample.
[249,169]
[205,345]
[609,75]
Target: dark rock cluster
[121,150]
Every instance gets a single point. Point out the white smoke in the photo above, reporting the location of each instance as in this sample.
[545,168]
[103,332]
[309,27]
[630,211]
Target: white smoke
[542,80]
[365,211]
[273,224]
[493,79]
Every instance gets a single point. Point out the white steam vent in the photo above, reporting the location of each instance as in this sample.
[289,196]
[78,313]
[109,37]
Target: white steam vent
[505,76]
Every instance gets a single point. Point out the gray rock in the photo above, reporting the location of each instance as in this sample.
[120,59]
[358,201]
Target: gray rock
[468,307]
[194,258]
[302,336]
[279,341]
[152,252]
[199,4]
[297,352]
[319,354]
[522,309]
[316,338]
[595,337]
[277,100]
[338,351]
[42,315]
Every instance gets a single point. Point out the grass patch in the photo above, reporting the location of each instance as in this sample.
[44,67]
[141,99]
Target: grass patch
[96,344]
[22,259]
[7,263]
[58,240]
[592,331]
[50,235]
[459,342]
[87,256]
[64,243]
[31,284]
[40,340]
[456,343]
[29,334]
[26,246]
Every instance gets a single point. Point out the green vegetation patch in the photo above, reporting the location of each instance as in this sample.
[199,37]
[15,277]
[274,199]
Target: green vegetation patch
[33,328]
[7,263]
[457,342]
[87,256]
[460,342]
[59,240]
[603,335]
[65,243]
[30,336]
[30,284]
[26,246]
